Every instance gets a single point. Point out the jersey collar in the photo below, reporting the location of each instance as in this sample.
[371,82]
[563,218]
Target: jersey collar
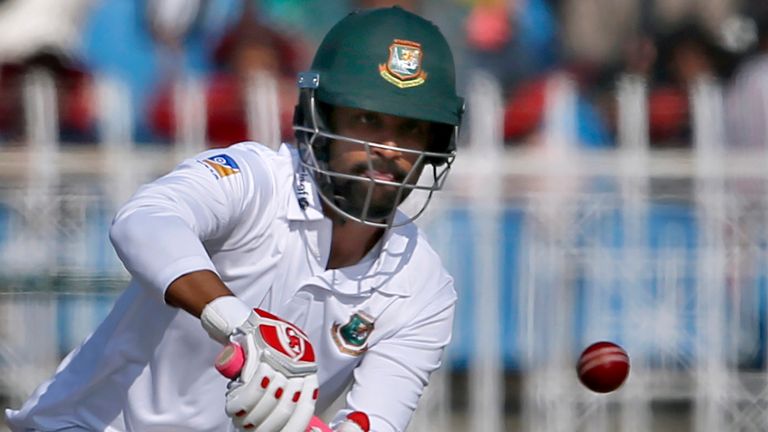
[376,273]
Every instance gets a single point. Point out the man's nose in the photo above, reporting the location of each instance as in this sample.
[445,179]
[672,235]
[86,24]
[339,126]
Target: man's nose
[391,151]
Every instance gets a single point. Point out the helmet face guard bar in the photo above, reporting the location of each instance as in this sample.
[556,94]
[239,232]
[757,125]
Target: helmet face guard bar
[313,138]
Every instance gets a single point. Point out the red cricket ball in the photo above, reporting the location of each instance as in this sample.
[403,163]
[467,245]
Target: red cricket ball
[603,367]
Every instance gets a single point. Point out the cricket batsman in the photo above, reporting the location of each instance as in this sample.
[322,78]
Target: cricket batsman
[293,272]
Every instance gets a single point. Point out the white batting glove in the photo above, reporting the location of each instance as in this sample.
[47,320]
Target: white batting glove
[276,388]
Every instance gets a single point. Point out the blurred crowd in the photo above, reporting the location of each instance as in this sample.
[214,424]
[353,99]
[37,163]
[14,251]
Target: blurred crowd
[227,45]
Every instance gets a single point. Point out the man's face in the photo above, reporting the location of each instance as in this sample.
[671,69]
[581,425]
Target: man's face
[386,164]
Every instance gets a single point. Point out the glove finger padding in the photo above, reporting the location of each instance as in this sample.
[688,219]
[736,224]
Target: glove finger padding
[243,396]
[278,416]
[276,389]
[304,406]
[266,404]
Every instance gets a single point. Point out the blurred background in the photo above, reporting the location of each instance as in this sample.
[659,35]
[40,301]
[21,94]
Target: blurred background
[611,184]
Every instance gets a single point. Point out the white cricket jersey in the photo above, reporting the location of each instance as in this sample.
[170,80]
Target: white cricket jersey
[254,217]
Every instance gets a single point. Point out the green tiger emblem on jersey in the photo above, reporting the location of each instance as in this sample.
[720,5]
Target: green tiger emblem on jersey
[352,337]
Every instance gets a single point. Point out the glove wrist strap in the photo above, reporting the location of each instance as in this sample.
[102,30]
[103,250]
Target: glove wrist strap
[222,316]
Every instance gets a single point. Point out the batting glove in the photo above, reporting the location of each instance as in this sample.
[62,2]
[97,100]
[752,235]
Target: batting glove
[276,388]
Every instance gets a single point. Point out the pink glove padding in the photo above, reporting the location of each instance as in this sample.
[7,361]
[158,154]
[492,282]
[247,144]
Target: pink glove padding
[317,425]
[356,422]
[230,361]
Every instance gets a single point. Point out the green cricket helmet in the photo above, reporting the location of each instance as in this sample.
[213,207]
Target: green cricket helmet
[389,61]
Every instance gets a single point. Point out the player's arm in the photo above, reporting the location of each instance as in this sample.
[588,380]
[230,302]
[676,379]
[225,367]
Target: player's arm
[394,372]
[159,233]
[193,291]
[203,294]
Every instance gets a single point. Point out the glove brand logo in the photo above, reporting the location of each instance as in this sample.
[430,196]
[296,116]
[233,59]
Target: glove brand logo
[285,338]
[352,337]
[403,68]
[294,341]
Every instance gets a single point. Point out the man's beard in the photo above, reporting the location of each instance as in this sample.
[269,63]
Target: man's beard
[351,194]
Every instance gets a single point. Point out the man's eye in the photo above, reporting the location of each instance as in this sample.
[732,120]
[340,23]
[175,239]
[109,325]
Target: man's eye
[366,119]
[416,129]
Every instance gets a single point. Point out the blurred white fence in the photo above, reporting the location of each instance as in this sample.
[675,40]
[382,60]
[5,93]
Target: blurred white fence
[552,248]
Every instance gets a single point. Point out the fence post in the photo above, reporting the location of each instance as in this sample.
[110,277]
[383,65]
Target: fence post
[486,147]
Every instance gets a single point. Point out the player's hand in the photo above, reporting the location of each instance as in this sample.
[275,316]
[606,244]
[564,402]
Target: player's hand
[276,388]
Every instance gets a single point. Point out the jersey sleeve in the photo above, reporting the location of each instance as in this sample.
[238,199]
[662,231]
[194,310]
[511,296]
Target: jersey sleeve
[159,234]
[392,376]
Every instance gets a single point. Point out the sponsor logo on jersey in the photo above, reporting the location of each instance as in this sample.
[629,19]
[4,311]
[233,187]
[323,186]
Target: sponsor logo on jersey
[303,188]
[403,67]
[352,337]
[221,165]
